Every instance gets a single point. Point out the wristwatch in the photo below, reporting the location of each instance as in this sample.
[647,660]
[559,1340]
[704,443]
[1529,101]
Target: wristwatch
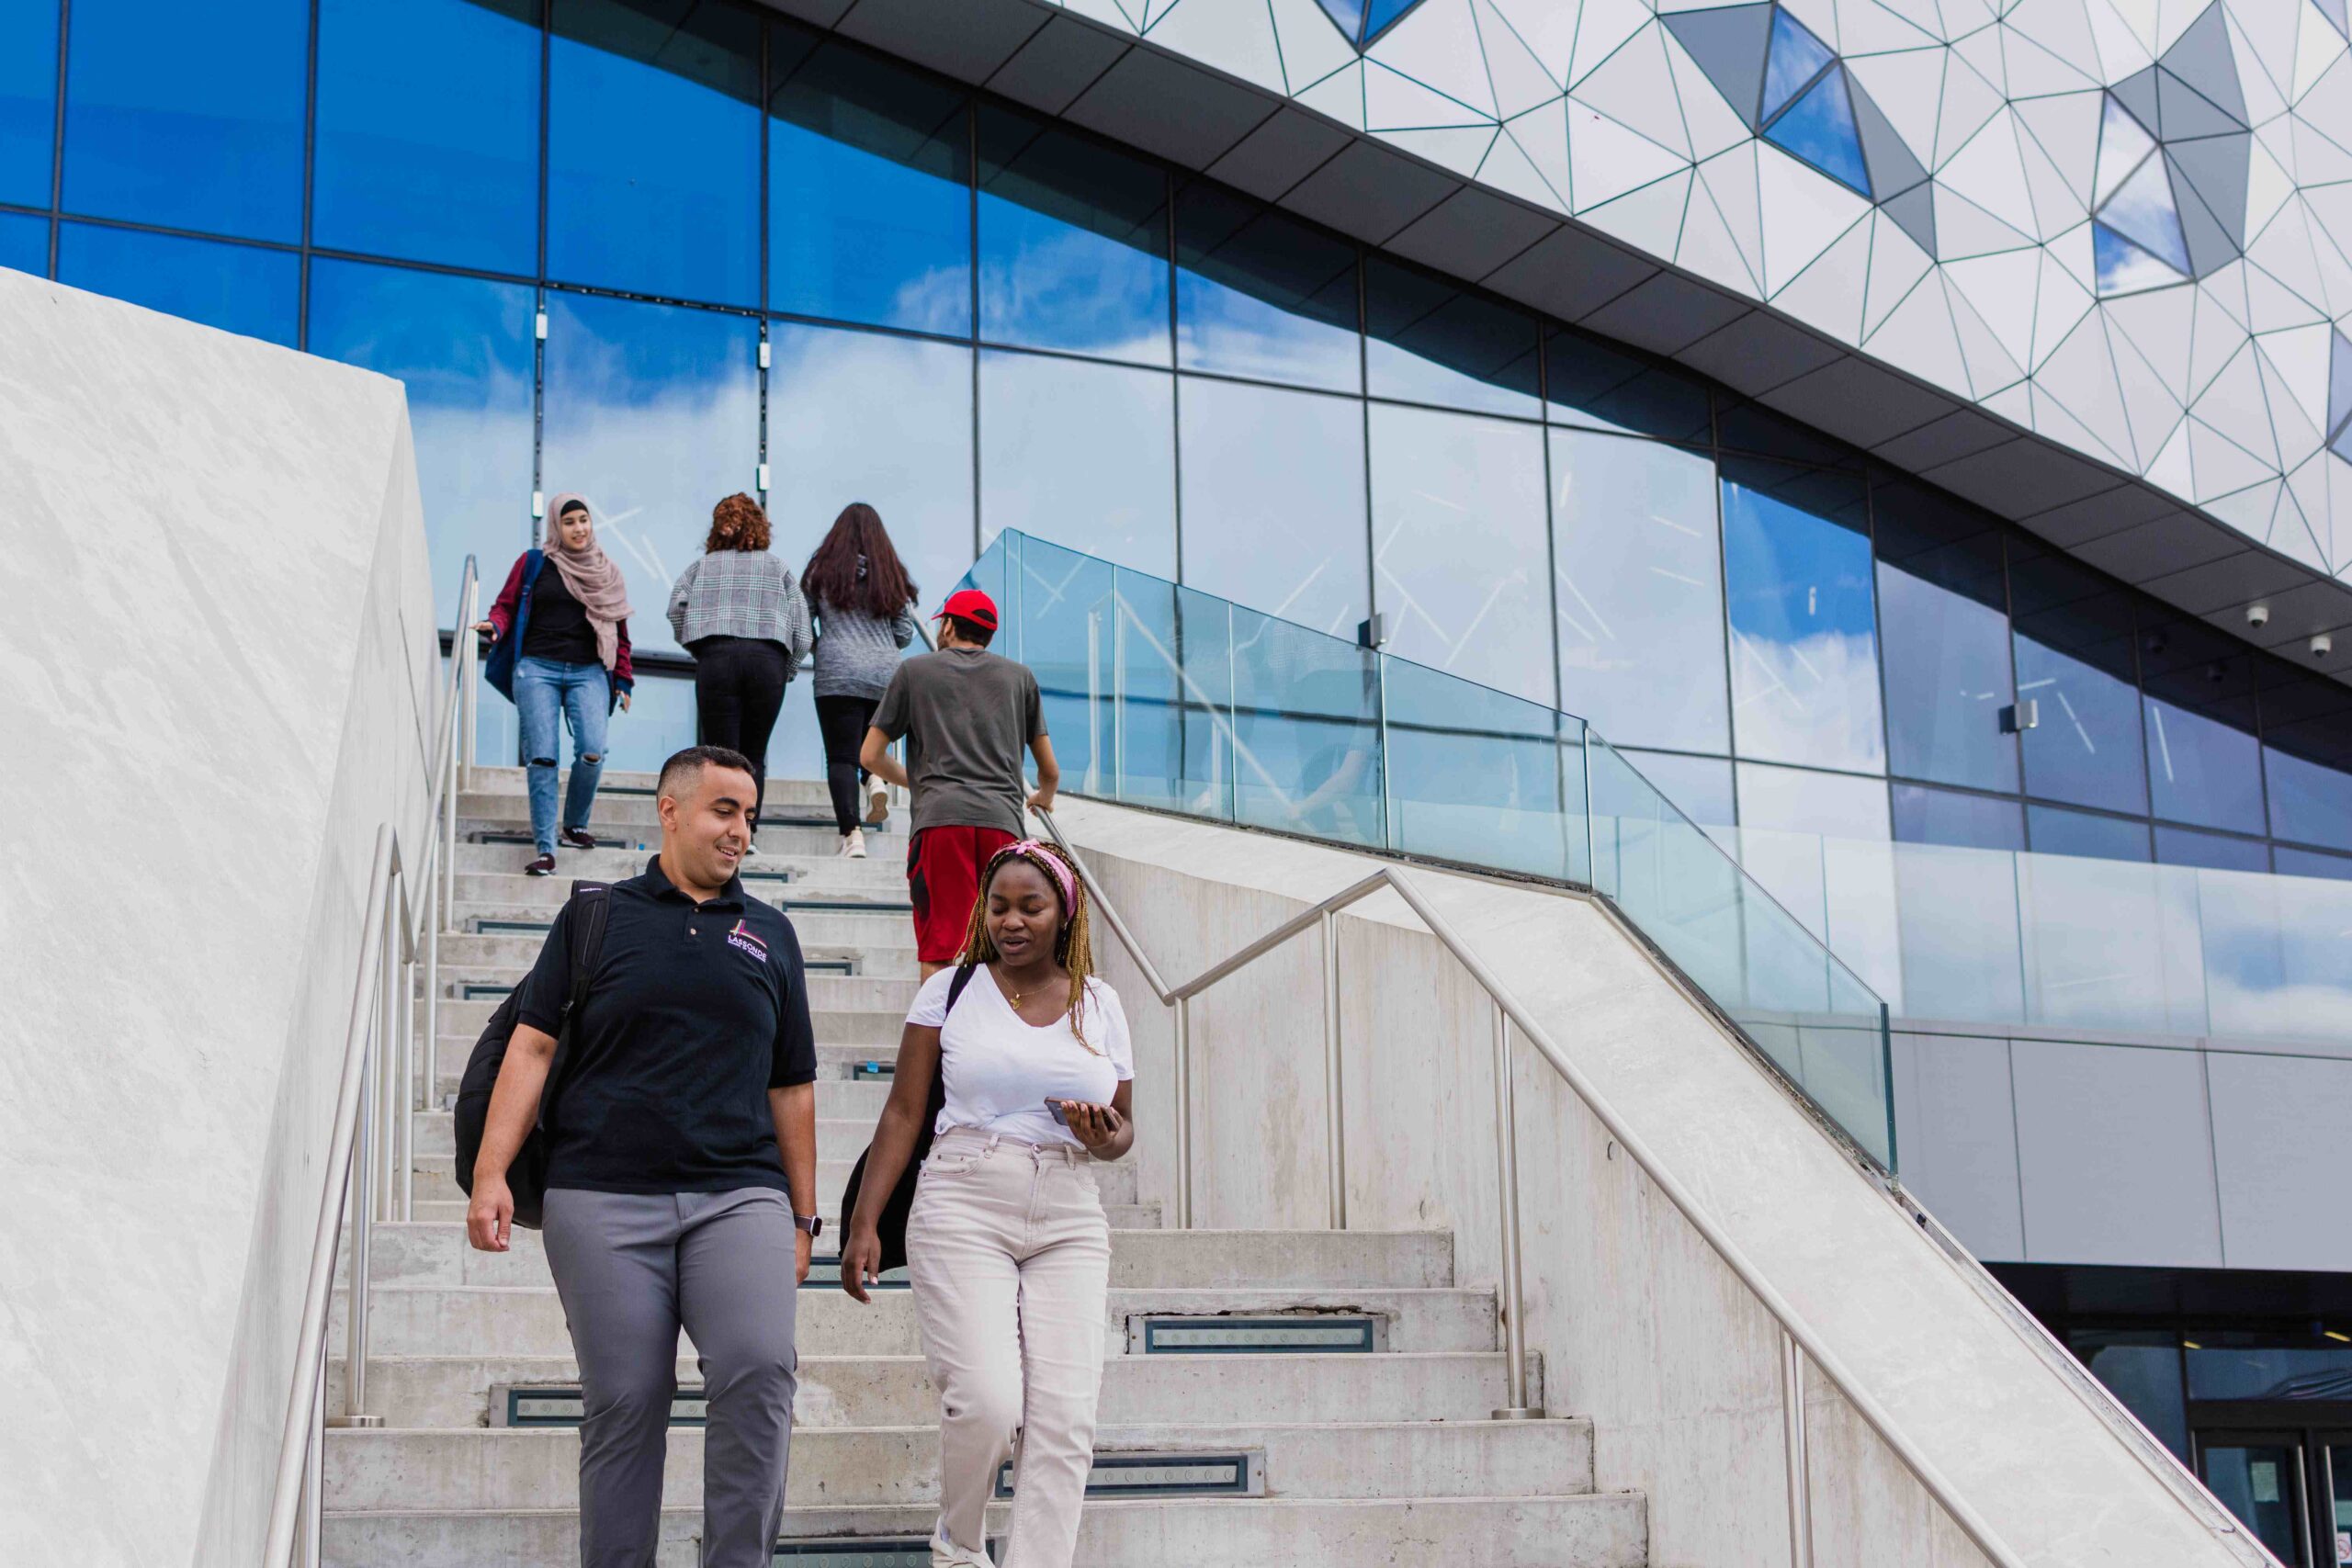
[813,1223]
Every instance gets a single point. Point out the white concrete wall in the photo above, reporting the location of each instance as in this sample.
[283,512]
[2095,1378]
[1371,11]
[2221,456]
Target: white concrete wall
[1643,1328]
[216,634]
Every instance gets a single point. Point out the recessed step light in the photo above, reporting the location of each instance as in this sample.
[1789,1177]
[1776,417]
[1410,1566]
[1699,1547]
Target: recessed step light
[1171,1474]
[871,1070]
[562,1405]
[1290,1334]
[483,991]
[857,1551]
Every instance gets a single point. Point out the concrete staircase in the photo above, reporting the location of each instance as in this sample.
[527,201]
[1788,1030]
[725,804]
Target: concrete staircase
[1381,1456]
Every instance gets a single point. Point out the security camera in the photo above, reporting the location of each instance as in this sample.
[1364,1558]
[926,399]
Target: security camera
[2322,646]
[2257,615]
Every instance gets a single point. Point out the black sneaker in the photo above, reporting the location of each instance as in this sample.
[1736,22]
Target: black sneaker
[578,838]
[543,866]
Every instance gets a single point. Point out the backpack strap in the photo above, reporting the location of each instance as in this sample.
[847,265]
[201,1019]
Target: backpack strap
[591,905]
[938,1095]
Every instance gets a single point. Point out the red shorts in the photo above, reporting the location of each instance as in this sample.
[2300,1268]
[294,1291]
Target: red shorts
[943,879]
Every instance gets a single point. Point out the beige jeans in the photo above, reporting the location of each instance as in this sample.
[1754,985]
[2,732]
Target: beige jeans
[1011,1260]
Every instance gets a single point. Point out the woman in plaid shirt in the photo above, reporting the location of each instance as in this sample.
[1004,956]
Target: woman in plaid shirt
[737,609]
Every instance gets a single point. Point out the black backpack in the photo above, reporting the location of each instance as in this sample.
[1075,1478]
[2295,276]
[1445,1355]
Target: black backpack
[528,1176]
[893,1224]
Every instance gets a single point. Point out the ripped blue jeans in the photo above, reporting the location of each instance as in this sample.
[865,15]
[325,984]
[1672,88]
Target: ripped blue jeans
[550,696]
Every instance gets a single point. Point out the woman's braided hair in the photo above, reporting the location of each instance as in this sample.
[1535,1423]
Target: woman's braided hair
[1073,946]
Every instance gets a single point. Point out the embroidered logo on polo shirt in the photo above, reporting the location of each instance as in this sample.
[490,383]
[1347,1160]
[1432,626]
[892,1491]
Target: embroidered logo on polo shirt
[742,936]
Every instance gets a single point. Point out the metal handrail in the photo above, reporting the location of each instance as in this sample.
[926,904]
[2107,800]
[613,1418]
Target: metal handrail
[1799,1338]
[371,1145]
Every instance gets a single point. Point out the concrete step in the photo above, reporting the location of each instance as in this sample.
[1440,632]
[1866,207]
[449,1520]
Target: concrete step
[1122,1216]
[502,843]
[436,1180]
[463,1018]
[416,1252]
[843,1040]
[894,1391]
[482,1320]
[1587,1530]
[471,955]
[622,804]
[838,1138]
[886,1466]
[508,779]
[762,873]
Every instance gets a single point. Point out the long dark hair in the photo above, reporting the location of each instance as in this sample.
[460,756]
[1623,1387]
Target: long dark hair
[833,576]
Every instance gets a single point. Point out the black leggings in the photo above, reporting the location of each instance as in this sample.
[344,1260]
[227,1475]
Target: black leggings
[844,721]
[739,690]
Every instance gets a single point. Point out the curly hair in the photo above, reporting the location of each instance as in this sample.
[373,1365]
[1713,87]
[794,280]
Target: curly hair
[739,523]
[1073,945]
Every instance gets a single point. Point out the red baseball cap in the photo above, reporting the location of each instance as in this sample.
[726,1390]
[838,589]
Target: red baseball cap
[970,604]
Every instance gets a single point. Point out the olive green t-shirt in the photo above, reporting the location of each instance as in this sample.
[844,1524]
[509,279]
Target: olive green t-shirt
[968,717]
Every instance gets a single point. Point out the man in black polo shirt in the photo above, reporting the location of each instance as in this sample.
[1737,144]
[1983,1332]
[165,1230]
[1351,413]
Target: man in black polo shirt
[682,1172]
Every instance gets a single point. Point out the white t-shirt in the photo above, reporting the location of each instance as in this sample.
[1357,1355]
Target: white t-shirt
[999,1069]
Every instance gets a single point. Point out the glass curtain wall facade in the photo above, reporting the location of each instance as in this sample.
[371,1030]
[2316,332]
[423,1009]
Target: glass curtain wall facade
[657,250]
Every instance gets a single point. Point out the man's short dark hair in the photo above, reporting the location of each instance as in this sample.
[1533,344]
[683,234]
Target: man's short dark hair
[972,631]
[684,768]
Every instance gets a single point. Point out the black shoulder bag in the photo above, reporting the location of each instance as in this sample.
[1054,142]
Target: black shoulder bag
[528,1176]
[893,1224]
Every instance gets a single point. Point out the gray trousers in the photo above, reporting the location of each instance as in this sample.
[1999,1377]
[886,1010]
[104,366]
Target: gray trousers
[633,1269]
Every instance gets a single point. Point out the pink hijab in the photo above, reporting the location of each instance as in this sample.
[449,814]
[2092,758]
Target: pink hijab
[591,577]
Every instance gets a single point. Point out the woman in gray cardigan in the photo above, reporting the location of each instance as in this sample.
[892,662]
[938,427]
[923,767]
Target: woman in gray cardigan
[864,601]
[738,611]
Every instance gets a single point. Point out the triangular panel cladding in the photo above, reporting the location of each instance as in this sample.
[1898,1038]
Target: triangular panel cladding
[1361,21]
[1791,89]
[2175,158]
[1729,43]
[2339,395]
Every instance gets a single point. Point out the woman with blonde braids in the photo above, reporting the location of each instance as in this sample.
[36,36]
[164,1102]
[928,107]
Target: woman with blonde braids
[1006,1242]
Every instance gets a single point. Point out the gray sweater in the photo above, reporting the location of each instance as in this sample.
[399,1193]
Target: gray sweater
[740,593]
[858,653]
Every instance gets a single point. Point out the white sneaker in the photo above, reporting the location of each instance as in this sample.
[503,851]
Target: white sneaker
[878,799]
[854,844]
[946,1553]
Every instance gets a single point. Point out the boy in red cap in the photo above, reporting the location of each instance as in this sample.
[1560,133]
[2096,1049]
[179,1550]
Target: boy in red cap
[967,713]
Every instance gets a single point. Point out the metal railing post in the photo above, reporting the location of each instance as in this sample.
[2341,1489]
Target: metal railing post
[1093,784]
[314,1475]
[1334,1126]
[1118,691]
[1184,1114]
[359,1210]
[1800,1462]
[1507,1173]
[409,1094]
[387,1056]
[432,1087]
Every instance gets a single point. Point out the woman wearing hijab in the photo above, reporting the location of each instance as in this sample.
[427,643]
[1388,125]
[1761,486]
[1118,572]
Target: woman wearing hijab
[559,653]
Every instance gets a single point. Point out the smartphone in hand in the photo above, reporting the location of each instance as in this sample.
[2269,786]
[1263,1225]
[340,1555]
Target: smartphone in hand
[1054,1107]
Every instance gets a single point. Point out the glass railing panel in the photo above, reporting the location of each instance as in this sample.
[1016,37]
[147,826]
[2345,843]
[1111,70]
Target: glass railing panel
[2110,944]
[1477,776]
[2277,953]
[1754,959]
[1165,696]
[1306,732]
[1956,924]
[1171,696]
[1062,612]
